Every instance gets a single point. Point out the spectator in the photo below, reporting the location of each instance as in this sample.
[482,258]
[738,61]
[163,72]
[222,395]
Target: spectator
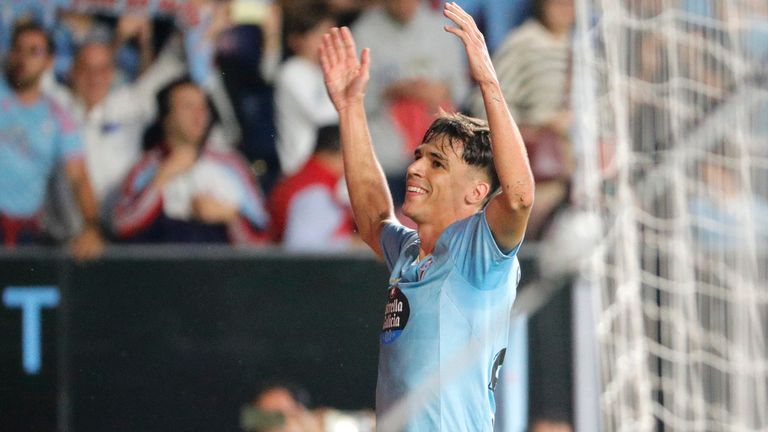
[283,407]
[306,211]
[410,79]
[555,422]
[280,408]
[113,118]
[720,206]
[35,135]
[183,191]
[71,30]
[533,65]
[301,101]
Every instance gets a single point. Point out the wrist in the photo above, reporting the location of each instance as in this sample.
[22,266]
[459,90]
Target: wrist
[353,105]
[91,225]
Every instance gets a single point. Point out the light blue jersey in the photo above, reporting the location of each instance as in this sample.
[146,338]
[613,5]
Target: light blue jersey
[33,139]
[437,307]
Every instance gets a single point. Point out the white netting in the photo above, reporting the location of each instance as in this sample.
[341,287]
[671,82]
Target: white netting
[673,141]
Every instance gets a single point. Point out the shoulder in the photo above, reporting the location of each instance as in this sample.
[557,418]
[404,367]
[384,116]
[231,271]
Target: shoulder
[294,67]
[392,229]
[473,233]
[373,14]
[425,15]
[62,117]
[370,22]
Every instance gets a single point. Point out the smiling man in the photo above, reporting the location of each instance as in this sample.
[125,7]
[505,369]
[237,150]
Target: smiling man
[453,280]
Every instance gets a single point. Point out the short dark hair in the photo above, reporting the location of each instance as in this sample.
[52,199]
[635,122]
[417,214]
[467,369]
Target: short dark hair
[475,137]
[328,139]
[302,18]
[27,26]
[305,16]
[537,11]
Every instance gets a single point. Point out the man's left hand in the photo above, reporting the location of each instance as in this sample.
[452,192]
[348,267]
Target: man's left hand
[88,245]
[480,64]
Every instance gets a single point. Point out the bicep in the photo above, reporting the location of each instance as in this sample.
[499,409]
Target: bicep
[373,236]
[507,225]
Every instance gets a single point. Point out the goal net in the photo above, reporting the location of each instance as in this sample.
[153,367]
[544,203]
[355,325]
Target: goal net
[672,141]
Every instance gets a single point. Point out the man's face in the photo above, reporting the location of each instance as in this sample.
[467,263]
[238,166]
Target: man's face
[93,72]
[439,183]
[402,10]
[559,14]
[188,118]
[28,59]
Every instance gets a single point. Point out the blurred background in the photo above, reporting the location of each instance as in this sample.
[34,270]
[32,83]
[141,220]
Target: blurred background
[179,252]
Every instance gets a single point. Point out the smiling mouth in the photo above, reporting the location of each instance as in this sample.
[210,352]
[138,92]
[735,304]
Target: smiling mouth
[416,190]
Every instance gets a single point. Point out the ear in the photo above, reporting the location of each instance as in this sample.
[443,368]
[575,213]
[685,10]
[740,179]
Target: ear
[478,193]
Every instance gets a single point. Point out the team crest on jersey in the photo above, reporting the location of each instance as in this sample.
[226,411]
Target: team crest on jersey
[396,315]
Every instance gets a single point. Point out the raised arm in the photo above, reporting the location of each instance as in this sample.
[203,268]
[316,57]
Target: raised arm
[508,212]
[346,78]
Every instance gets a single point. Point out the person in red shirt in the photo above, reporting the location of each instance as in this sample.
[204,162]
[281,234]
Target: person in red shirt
[309,210]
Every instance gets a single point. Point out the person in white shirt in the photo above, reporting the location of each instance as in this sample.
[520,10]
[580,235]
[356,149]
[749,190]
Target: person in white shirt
[112,118]
[301,101]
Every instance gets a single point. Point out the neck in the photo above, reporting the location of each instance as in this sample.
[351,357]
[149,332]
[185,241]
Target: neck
[174,142]
[309,56]
[29,95]
[332,162]
[430,232]
[428,235]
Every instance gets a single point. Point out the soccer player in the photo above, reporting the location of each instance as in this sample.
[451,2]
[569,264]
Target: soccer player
[453,279]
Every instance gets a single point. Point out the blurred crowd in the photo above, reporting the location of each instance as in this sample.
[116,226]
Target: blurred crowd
[212,124]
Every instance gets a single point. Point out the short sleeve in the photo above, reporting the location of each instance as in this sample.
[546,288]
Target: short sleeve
[476,254]
[69,141]
[393,239]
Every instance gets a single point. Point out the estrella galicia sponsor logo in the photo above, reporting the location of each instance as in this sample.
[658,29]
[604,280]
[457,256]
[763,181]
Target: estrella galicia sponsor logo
[396,315]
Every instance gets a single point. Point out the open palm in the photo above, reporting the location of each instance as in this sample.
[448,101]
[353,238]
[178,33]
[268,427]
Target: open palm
[345,76]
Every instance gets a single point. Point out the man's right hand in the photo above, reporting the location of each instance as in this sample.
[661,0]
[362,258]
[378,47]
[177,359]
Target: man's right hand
[345,76]
[181,159]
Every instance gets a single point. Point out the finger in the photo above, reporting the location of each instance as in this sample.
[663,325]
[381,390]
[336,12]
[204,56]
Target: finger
[324,62]
[365,62]
[457,31]
[338,44]
[349,43]
[455,8]
[466,23]
[330,52]
[466,20]
[450,14]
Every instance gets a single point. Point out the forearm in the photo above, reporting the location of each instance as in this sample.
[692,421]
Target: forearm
[368,190]
[509,154]
[86,201]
